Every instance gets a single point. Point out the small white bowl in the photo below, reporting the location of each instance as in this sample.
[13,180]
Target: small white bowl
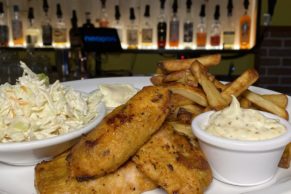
[32,152]
[243,163]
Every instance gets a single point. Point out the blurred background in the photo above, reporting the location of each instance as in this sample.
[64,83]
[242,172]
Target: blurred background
[63,57]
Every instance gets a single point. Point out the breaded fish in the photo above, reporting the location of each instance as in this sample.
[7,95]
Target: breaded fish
[52,177]
[120,134]
[173,163]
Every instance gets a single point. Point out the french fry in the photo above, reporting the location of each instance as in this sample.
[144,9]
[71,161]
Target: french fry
[286,157]
[183,129]
[265,104]
[178,100]
[193,109]
[213,96]
[279,99]
[189,79]
[157,79]
[174,76]
[245,103]
[219,85]
[179,65]
[195,94]
[241,84]
[210,60]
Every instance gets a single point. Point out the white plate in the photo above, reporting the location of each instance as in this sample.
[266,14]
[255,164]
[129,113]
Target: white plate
[20,180]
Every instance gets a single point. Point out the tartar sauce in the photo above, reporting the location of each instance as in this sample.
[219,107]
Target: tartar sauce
[234,122]
[116,94]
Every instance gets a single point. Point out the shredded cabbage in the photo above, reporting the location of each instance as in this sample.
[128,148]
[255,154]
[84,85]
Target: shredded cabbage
[32,109]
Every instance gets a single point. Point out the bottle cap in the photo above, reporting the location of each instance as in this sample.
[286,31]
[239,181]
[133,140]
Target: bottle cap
[45,6]
[15,8]
[117,12]
[74,18]
[131,14]
[30,13]
[1,7]
[162,4]
[175,6]
[202,11]
[229,8]
[103,3]
[59,11]
[217,12]
[246,4]
[188,4]
[147,11]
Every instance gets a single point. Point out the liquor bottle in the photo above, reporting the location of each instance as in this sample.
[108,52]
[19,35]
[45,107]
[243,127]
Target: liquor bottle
[245,28]
[47,30]
[117,23]
[132,31]
[215,33]
[147,29]
[174,26]
[32,31]
[103,22]
[4,35]
[60,29]
[162,26]
[17,27]
[229,32]
[188,26]
[201,35]
[75,33]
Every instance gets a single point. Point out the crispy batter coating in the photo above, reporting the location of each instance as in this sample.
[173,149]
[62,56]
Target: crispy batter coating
[52,177]
[173,163]
[120,134]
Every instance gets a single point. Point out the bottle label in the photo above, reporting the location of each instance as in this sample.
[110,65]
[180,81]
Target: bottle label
[75,38]
[188,32]
[245,32]
[31,39]
[17,32]
[60,35]
[228,39]
[215,40]
[174,31]
[132,37]
[162,31]
[201,39]
[47,34]
[3,36]
[147,35]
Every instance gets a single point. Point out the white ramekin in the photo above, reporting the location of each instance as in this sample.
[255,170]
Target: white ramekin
[237,162]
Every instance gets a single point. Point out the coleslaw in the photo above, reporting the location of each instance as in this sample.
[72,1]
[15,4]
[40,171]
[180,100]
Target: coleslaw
[32,109]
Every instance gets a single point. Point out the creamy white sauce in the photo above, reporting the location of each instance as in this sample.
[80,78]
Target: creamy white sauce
[234,122]
[116,94]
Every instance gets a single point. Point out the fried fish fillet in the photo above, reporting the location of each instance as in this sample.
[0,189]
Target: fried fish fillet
[52,177]
[120,134]
[173,163]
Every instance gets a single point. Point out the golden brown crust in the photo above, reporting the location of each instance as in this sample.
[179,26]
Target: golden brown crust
[52,177]
[180,65]
[120,134]
[241,84]
[173,163]
[193,93]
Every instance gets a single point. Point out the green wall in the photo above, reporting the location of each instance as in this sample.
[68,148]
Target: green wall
[282,12]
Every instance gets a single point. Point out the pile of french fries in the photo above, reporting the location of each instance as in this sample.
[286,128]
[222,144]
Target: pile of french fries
[195,91]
